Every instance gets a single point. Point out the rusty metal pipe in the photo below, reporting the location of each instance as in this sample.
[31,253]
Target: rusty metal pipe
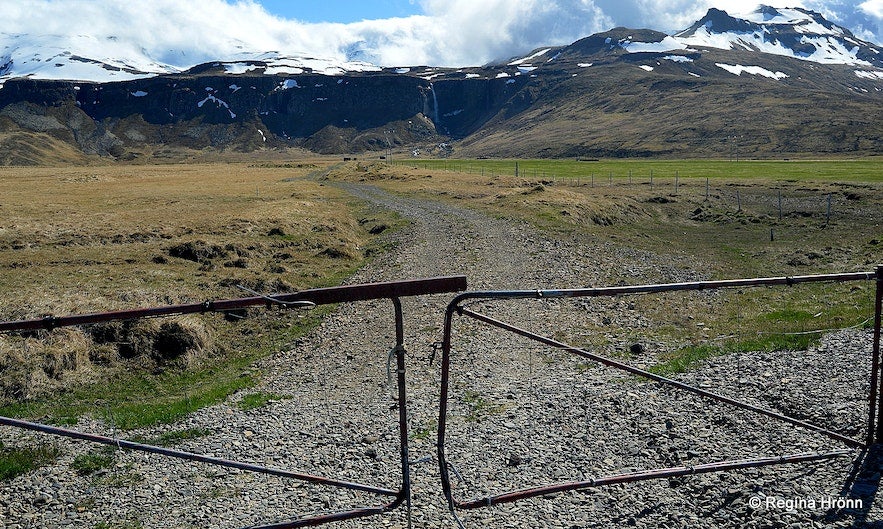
[318,296]
[330,517]
[403,406]
[659,378]
[659,288]
[190,456]
[443,404]
[326,518]
[645,475]
[876,392]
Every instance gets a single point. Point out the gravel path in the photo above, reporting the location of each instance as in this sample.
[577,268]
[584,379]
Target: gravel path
[521,415]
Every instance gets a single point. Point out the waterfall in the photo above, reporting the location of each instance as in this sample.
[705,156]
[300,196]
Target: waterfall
[434,106]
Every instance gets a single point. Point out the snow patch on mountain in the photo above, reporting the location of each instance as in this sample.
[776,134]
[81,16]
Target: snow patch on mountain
[802,20]
[530,58]
[274,64]
[825,50]
[240,68]
[665,45]
[737,69]
[219,102]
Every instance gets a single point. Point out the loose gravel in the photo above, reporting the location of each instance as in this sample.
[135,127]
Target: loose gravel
[521,414]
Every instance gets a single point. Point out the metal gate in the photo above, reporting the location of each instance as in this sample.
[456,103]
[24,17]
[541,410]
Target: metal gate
[462,306]
[473,402]
[391,499]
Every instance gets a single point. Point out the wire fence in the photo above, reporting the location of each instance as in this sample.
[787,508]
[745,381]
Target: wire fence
[776,202]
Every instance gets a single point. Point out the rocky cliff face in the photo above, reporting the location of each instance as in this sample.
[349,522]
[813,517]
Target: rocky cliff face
[211,109]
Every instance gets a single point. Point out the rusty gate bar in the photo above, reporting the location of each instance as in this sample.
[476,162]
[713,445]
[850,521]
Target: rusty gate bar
[190,456]
[455,307]
[364,292]
[645,475]
[659,288]
[318,296]
[659,378]
[876,397]
[404,493]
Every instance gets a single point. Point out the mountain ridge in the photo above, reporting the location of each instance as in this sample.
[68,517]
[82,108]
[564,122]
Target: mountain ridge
[776,82]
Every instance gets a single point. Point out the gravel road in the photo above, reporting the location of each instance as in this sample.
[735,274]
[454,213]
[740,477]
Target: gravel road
[521,414]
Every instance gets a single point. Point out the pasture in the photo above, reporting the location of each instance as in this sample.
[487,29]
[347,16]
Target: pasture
[75,240]
[94,239]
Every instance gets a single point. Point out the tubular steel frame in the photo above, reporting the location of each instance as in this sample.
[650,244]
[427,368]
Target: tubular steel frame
[875,415]
[392,290]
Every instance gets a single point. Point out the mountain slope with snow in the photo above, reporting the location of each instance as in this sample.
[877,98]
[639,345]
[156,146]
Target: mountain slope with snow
[85,58]
[773,81]
[796,33]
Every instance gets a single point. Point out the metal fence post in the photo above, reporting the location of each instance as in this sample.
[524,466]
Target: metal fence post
[403,405]
[876,379]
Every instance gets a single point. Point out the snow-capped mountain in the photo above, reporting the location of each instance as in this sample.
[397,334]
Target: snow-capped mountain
[797,33]
[86,58]
[779,80]
[78,57]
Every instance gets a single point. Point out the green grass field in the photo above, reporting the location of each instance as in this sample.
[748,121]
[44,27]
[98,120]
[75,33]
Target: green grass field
[863,170]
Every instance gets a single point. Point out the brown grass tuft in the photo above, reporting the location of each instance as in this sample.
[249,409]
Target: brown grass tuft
[32,366]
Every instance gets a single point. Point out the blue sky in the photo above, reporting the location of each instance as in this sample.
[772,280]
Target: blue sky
[343,11]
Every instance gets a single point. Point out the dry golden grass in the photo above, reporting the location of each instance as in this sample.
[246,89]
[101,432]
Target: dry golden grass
[89,239]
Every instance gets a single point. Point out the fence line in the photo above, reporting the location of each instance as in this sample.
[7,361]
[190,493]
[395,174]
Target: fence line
[774,203]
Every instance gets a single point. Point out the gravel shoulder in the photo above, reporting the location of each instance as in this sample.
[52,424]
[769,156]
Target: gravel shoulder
[521,415]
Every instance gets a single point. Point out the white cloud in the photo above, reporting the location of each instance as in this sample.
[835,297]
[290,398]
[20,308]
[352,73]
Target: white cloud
[449,33]
[873,8]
